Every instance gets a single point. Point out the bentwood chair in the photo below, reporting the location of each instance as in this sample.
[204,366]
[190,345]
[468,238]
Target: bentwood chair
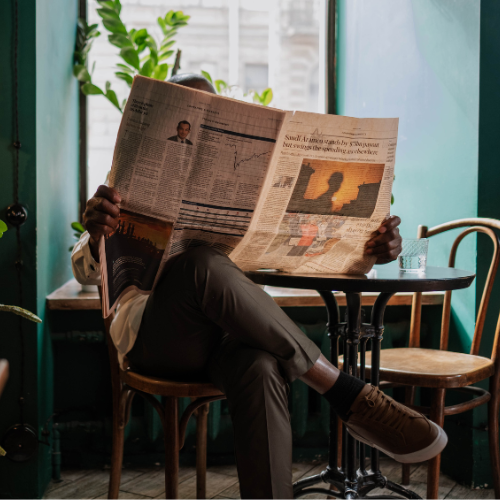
[441,370]
[125,385]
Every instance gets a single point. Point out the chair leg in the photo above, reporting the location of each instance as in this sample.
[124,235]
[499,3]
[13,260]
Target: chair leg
[201,451]
[493,407]
[171,438]
[437,416]
[339,442]
[120,418]
[409,399]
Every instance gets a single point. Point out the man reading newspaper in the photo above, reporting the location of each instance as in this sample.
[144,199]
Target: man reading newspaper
[205,320]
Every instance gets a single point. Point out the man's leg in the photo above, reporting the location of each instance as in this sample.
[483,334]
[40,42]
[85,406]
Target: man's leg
[258,402]
[204,293]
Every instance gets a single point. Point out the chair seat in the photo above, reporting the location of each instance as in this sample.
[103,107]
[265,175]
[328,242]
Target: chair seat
[163,387]
[430,367]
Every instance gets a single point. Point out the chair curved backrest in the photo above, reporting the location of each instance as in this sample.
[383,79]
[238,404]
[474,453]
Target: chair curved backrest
[471,225]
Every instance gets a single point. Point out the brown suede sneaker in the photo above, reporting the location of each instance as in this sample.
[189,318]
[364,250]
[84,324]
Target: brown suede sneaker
[404,434]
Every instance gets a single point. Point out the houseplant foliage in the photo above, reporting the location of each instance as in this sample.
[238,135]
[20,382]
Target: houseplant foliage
[223,88]
[141,54]
[78,231]
[15,309]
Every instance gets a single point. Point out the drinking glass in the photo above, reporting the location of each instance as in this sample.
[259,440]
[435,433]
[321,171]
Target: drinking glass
[413,258]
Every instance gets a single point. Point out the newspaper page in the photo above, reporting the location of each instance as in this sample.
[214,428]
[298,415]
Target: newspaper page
[328,189]
[298,192]
[189,167]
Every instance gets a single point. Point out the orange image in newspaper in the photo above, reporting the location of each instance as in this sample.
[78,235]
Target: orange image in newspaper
[336,188]
[134,250]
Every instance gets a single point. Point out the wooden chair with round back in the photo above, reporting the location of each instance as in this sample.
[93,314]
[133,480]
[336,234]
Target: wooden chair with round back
[125,385]
[441,370]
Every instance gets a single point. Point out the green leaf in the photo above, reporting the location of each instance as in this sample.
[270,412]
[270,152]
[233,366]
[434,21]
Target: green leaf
[162,25]
[106,13]
[220,85]
[81,73]
[124,102]
[130,56]
[266,97]
[120,40]
[21,312]
[126,68]
[206,74]
[90,89]
[78,227]
[3,227]
[106,3]
[111,96]
[166,44]
[160,72]
[170,33]
[114,26]
[91,28]
[168,17]
[125,77]
[141,48]
[153,55]
[392,199]
[150,42]
[118,6]
[147,68]
[139,36]
[165,55]
[108,85]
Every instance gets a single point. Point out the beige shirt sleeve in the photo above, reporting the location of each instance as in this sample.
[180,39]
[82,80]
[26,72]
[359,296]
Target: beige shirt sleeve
[85,269]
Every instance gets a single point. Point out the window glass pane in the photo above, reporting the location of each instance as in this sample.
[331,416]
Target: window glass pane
[253,44]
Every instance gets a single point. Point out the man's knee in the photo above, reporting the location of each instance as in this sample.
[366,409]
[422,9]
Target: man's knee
[203,258]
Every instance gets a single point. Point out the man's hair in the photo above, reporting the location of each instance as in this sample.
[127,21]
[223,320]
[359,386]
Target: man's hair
[194,81]
[185,123]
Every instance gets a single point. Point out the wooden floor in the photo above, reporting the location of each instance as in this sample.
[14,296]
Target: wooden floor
[222,482]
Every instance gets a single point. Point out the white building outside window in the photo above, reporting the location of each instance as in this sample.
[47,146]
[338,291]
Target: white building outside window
[250,43]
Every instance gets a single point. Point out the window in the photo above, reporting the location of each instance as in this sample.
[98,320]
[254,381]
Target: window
[256,77]
[250,43]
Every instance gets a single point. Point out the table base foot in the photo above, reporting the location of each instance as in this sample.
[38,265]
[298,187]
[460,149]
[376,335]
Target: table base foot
[364,484]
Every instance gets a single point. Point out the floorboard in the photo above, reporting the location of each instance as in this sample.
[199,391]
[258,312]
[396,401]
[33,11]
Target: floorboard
[222,482]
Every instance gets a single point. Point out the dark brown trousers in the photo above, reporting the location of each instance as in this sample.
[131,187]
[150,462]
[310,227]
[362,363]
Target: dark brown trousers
[206,320]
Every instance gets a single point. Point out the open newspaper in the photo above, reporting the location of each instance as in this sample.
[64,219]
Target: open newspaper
[295,191]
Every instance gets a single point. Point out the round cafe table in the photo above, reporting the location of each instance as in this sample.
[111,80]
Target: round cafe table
[353,479]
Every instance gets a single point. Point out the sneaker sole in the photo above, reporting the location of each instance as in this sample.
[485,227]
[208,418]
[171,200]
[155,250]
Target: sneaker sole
[434,449]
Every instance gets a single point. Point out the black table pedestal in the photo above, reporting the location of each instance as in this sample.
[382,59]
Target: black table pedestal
[352,479]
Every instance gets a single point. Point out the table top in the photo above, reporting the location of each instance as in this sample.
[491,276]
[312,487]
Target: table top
[384,278]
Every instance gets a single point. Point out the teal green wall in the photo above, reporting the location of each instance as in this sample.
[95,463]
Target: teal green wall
[48,106]
[435,65]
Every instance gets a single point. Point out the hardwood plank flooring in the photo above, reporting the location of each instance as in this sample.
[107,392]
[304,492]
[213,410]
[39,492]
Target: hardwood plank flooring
[222,482]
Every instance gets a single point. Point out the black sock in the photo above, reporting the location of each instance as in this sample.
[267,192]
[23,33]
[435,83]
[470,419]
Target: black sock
[343,393]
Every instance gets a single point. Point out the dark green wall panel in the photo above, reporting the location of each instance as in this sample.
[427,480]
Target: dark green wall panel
[48,185]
